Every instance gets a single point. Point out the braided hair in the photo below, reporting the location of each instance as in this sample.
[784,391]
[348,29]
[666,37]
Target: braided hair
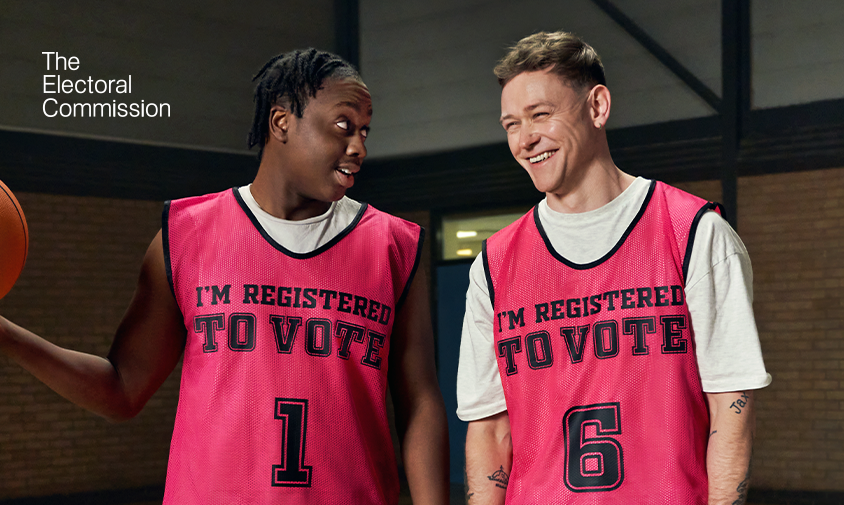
[291,79]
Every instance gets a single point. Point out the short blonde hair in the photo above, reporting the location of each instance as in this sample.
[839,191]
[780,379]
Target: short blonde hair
[565,53]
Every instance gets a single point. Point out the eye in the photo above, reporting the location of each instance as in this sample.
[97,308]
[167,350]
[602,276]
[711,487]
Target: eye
[364,131]
[539,115]
[344,124]
[509,126]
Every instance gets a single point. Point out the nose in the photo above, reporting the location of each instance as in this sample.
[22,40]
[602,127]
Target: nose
[527,138]
[356,147]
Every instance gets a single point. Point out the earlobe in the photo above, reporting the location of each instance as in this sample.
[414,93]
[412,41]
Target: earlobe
[279,123]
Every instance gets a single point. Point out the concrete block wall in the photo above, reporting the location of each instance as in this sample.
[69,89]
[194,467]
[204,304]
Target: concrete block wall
[796,51]
[429,64]
[197,57]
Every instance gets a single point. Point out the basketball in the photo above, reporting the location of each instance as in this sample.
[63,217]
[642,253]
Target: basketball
[14,239]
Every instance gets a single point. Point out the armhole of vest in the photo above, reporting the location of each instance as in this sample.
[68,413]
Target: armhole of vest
[717,207]
[687,258]
[413,270]
[165,243]
[485,257]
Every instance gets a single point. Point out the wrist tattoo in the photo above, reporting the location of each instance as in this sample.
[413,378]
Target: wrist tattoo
[742,489]
[466,485]
[740,403]
[714,432]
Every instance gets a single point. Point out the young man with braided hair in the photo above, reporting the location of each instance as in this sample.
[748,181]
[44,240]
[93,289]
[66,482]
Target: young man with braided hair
[294,307]
[609,351]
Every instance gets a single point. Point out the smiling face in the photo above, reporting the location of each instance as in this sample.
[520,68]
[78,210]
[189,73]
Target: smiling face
[551,128]
[325,147]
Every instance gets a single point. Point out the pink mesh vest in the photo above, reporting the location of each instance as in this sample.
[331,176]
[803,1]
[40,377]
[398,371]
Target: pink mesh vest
[284,381]
[598,362]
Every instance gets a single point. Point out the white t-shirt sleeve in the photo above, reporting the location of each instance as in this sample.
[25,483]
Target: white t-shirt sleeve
[479,390]
[719,295]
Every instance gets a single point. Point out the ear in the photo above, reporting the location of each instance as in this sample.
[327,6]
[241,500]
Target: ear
[279,123]
[599,106]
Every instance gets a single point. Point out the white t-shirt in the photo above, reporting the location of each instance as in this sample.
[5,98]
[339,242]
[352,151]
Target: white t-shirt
[306,235]
[719,295]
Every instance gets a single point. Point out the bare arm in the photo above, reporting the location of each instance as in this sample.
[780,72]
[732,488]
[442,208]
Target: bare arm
[731,431]
[420,411]
[489,458]
[146,348]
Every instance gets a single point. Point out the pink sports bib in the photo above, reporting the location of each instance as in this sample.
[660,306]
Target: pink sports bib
[284,381]
[598,362]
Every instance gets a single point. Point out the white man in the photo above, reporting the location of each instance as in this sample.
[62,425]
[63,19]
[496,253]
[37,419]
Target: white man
[609,351]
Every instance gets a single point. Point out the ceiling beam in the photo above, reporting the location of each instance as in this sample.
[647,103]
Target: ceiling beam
[660,53]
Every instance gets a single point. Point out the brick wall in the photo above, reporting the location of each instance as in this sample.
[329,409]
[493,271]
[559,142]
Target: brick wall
[84,259]
[793,227]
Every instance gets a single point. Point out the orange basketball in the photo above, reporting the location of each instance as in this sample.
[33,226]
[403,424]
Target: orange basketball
[14,239]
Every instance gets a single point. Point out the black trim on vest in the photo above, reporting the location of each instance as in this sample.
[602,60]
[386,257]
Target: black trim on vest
[586,266]
[720,209]
[299,256]
[687,258]
[416,263]
[165,242]
[485,257]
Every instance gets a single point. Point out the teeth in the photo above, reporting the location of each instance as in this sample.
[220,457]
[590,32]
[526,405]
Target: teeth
[345,171]
[542,157]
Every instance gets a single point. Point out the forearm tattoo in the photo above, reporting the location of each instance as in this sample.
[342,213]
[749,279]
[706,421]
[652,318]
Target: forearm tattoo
[741,403]
[500,478]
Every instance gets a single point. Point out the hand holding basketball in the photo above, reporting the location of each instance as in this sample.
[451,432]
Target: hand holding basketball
[14,240]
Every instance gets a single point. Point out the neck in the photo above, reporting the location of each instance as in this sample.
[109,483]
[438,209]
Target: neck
[278,198]
[599,183]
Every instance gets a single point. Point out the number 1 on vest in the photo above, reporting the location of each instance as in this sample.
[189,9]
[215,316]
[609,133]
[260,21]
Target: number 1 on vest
[293,472]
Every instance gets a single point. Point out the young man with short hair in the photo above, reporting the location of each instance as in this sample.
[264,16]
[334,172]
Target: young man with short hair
[609,350]
[294,307]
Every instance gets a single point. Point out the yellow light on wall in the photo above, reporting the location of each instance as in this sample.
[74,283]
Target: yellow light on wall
[464,252]
[467,234]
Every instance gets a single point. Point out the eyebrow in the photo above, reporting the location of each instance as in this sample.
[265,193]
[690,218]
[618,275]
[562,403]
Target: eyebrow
[352,105]
[527,109]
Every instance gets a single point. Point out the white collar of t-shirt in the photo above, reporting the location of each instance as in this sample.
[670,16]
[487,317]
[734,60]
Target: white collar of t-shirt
[588,236]
[306,235]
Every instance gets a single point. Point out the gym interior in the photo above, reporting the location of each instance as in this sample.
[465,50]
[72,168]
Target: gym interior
[736,101]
